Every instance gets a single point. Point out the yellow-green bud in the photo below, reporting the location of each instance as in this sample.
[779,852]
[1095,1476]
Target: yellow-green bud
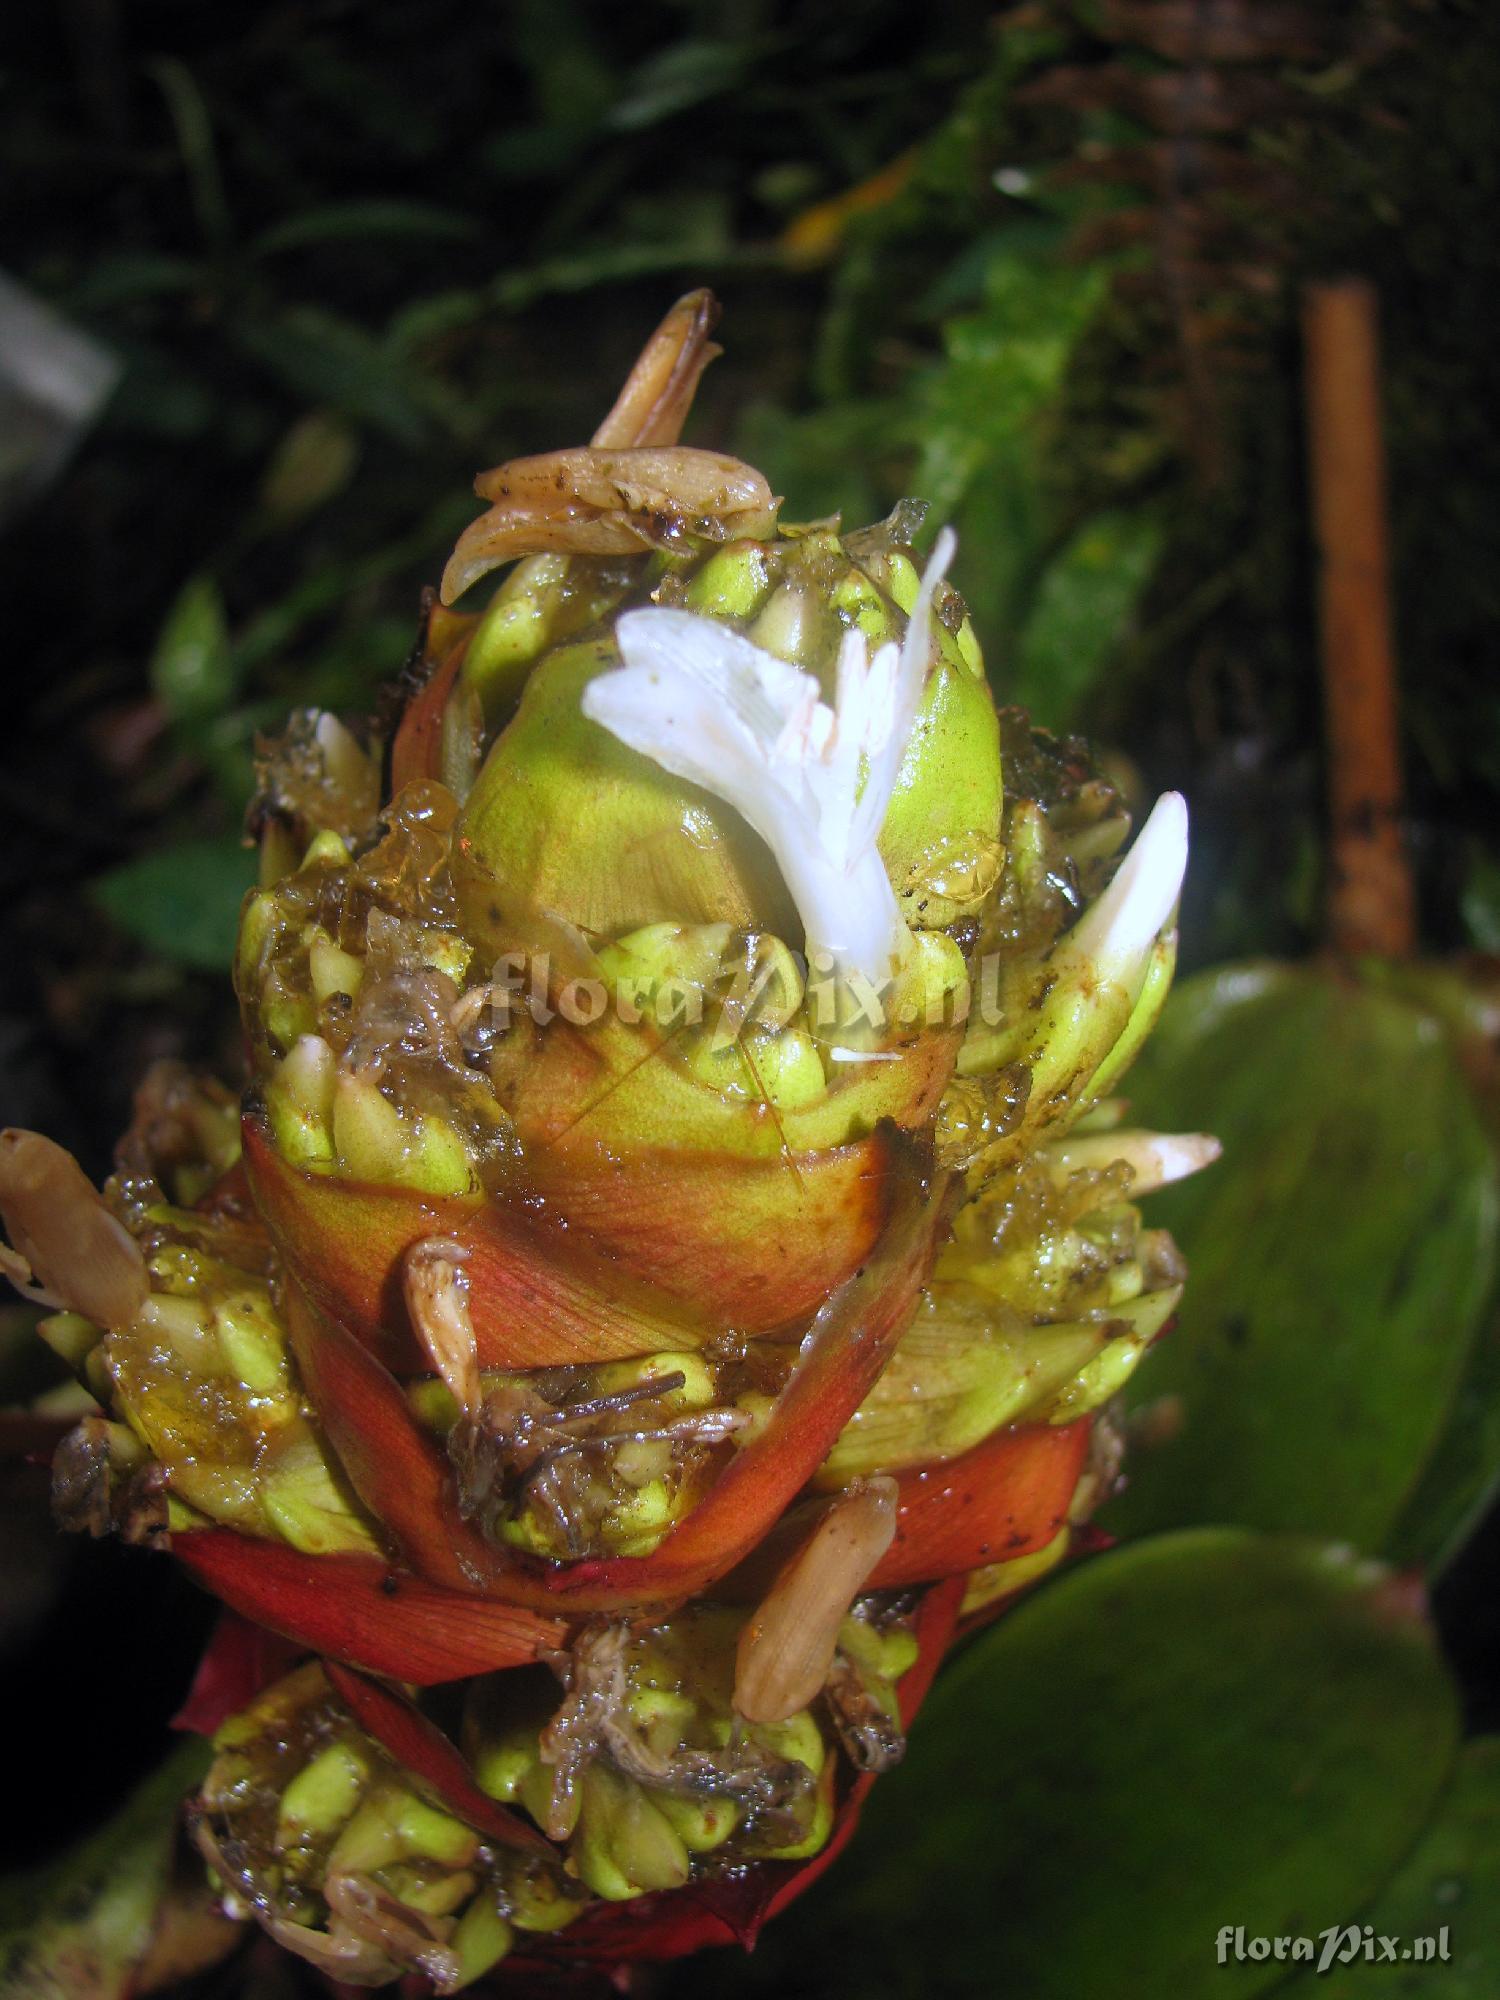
[323,1795]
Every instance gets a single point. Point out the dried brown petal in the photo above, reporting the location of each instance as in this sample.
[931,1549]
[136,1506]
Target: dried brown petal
[58,1223]
[787,1647]
[603,502]
[654,403]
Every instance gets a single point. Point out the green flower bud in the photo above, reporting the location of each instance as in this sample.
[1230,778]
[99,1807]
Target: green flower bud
[324,1793]
[481,1939]
[566,819]
[625,1845]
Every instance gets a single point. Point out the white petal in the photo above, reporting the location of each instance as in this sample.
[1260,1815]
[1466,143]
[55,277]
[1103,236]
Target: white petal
[1118,931]
[1155,1159]
[902,697]
[762,690]
[815,782]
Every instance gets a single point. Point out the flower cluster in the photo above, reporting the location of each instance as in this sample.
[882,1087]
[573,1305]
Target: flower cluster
[598,1418]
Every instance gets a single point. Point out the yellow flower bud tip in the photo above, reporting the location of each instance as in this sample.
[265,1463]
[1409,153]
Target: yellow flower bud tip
[499,1768]
[856,601]
[370,1839]
[434,1835]
[303,1501]
[733,583]
[784,1068]
[715,708]
[700,1824]
[514,627]
[323,1795]
[326,847]
[331,969]
[375,1142]
[253,1344]
[300,1102]
[344,758]
[664,963]
[481,1939]
[797,1739]
[625,1847]
[71,1337]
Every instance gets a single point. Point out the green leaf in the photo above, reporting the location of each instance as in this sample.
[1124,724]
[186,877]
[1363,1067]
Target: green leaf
[692,232]
[127,276]
[1480,901]
[314,461]
[192,666]
[1341,1256]
[364,221]
[182,902]
[1447,1882]
[1002,368]
[77,1930]
[1082,609]
[195,142]
[1207,1728]
[822,456]
[1462,1476]
[326,358]
[675,78]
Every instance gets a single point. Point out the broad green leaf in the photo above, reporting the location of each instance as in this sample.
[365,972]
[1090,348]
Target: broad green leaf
[1463,1473]
[1206,1728]
[1081,611]
[77,1930]
[1447,1884]
[1341,1255]
[192,666]
[183,902]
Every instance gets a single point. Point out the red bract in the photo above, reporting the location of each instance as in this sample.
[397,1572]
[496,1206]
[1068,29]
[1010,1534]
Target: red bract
[1006,1498]
[400,1473]
[598,1258]
[537,1300]
[422,1749]
[363,1611]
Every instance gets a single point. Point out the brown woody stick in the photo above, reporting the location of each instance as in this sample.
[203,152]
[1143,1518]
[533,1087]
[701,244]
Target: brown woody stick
[1371,907]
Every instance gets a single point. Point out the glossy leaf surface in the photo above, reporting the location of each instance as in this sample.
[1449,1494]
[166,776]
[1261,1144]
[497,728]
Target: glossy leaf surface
[1206,1728]
[1341,1253]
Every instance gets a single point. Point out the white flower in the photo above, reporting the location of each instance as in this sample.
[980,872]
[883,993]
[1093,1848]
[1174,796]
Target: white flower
[814,782]
[1115,935]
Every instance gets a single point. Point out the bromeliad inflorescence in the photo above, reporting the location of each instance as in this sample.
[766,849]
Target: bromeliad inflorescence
[677,1248]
